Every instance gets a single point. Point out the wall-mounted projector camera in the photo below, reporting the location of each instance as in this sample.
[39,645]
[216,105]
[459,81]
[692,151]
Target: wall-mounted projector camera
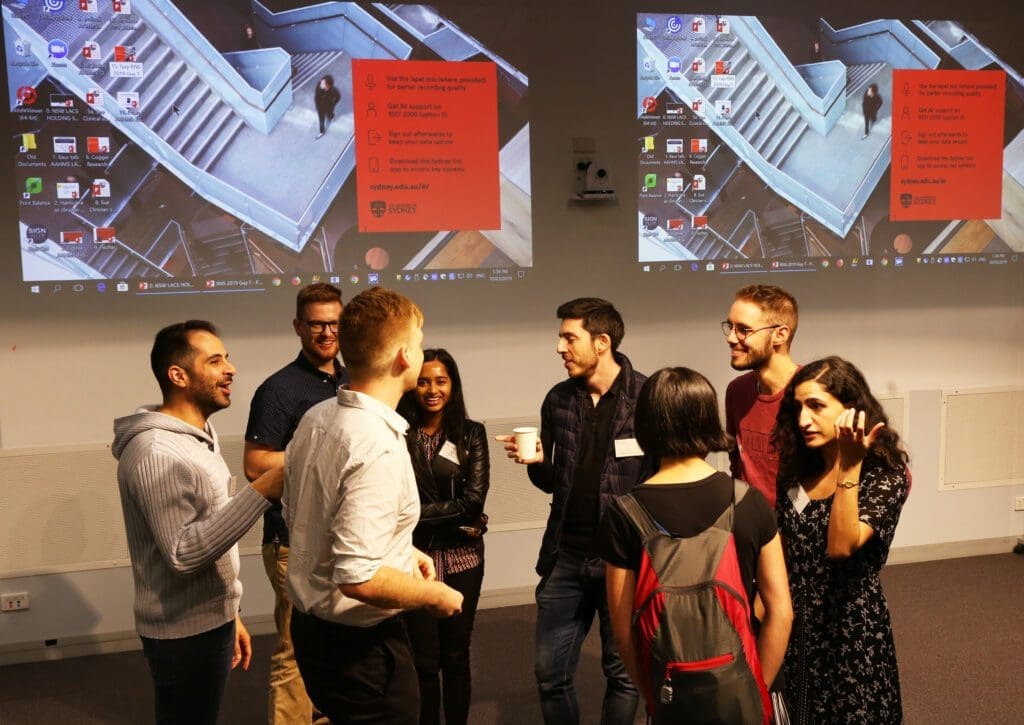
[596,180]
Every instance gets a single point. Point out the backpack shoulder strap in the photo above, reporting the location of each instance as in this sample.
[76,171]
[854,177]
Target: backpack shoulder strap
[740,489]
[638,516]
[728,516]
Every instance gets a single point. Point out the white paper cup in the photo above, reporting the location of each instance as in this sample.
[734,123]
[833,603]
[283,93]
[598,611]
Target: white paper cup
[526,442]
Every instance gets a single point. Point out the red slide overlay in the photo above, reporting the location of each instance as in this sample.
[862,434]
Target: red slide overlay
[426,145]
[947,144]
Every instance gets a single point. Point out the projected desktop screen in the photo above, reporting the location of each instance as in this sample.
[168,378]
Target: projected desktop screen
[162,147]
[786,144]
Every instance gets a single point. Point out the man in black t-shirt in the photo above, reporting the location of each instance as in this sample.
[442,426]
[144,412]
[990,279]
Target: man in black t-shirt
[277,407]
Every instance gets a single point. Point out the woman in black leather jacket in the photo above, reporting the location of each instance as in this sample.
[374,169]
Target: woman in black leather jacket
[449,455]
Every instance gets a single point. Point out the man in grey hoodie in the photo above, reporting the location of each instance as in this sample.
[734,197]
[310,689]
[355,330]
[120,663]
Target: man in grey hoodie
[183,523]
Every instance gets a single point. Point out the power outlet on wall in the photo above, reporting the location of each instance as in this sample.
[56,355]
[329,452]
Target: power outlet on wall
[1018,503]
[14,602]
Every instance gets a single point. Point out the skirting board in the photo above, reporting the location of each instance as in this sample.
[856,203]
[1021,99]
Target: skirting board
[953,550]
[493,599]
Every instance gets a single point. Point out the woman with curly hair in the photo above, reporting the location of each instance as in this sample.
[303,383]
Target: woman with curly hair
[841,486]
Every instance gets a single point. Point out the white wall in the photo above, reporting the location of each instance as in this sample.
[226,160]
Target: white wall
[67,369]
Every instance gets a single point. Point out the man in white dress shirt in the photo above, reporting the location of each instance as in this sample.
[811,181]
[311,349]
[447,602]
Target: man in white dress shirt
[351,504]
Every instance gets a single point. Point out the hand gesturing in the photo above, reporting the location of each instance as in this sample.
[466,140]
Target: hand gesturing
[853,442]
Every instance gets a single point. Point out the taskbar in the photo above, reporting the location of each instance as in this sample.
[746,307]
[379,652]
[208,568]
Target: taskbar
[266,283]
[752,266]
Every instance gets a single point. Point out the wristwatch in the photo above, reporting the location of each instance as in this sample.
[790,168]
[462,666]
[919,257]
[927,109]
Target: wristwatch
[847,484]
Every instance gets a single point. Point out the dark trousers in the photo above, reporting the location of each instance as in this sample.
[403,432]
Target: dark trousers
[189,675]
[567,600]
[357,674]
[324,117]
[870,117]
[441,647]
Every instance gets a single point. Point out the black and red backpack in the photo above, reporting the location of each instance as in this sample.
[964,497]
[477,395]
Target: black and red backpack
[693,624]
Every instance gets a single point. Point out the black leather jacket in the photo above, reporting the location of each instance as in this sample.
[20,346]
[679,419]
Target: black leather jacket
[451,495]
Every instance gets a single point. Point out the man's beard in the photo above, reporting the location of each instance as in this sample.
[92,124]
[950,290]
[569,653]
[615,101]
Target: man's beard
[753,359]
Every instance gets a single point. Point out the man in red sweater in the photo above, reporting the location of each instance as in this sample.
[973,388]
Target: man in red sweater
[761,325]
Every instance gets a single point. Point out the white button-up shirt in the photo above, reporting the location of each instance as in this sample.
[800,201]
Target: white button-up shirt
[350,503]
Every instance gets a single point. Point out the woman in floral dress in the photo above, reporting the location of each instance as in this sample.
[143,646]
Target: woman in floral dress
[842,484]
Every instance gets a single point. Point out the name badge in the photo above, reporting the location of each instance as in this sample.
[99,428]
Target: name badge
[449,452]
[799,497]
[626,447]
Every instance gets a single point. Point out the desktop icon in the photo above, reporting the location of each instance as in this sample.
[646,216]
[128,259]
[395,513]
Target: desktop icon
[675,64]
[722,26]
[650,181]
[648,64]
[33,185]
[22,47]
[129,101]
[74,236]
[61,100]
[64,144]
[723,67]
[27,96]
[36,233]
[53,6]
[674,24]
[28,142]
[97,144]
[121,7]
[57,49]
[698,25]
[697,65]
[674,184]
[87,6]
[122,287]
[699,183]
[674,146]
[648,143]
[100,189]
[94,97]
[104,235]
[651,222]
[91,50]
[649,104]
[675,224]
[68,190]
[124,53]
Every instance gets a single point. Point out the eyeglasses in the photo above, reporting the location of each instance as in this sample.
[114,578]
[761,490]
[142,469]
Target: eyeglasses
[742,333]
[318,326]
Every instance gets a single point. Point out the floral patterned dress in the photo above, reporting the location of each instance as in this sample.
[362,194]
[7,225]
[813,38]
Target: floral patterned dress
[841,663]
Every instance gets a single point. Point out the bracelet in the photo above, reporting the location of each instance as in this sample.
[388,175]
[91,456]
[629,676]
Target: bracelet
[847,484]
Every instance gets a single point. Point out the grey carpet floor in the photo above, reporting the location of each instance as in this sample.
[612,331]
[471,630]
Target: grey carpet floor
[958,623]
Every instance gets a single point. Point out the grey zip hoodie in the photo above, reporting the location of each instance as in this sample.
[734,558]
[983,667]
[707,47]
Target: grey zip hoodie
[182,522]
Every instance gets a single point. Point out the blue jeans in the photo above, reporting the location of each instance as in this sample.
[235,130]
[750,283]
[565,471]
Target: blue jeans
[567,600]
[189,675]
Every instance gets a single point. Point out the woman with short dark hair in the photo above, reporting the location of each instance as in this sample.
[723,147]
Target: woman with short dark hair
[842,483]
[677,421]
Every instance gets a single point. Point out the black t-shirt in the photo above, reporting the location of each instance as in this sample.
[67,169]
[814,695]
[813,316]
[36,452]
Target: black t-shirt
[276,409]
[595,435]
[687,509]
